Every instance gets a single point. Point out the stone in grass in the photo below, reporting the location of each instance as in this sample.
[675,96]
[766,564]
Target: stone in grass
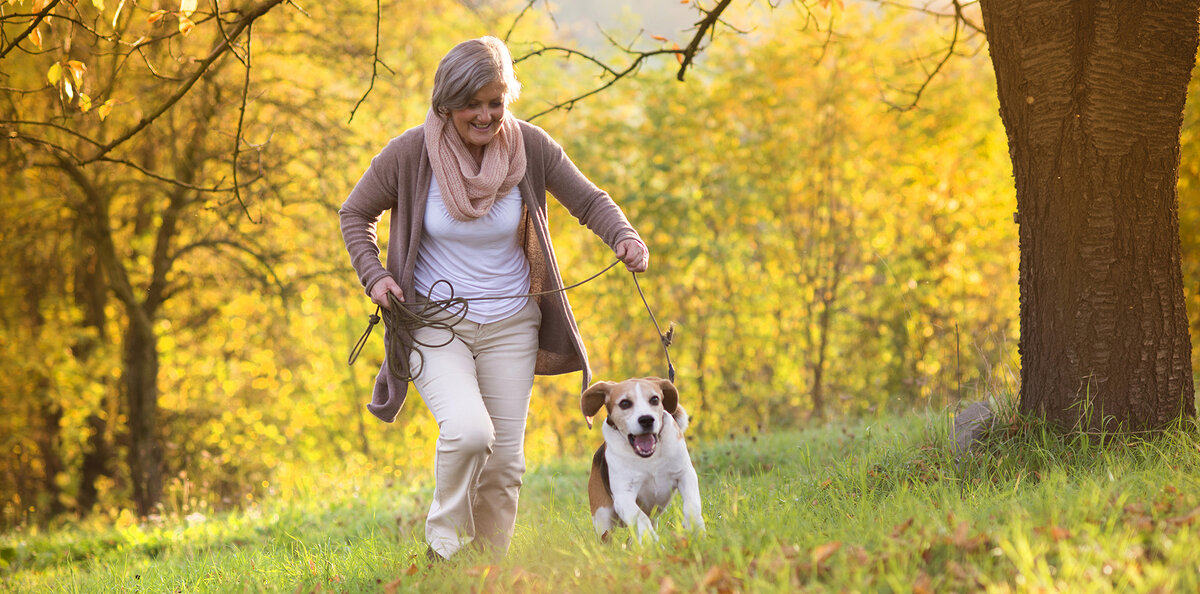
[970,425]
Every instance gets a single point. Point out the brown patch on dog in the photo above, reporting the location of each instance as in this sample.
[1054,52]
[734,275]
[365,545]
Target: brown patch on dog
[599,489]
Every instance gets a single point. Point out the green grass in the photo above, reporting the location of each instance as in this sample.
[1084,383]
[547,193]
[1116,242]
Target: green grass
[877,506]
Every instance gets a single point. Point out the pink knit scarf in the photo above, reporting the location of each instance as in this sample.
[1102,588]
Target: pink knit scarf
[469,190]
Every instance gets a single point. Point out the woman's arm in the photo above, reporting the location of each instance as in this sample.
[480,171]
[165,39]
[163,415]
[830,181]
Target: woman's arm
[592,206]
[374,193]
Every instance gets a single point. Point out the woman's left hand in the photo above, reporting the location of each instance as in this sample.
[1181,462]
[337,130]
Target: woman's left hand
[634,254]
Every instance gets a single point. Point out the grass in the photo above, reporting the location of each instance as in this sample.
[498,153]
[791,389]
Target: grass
[876,505]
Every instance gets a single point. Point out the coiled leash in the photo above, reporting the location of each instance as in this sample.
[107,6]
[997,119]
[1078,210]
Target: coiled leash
[403,319]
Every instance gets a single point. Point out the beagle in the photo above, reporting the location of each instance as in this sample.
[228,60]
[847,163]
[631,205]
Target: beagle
[644,458]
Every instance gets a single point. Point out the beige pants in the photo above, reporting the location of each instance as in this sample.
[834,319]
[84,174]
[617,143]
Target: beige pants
[478,388]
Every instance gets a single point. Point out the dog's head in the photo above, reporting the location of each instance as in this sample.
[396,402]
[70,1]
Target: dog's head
[635,407]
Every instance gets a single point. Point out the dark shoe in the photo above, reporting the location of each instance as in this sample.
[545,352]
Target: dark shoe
[432,556]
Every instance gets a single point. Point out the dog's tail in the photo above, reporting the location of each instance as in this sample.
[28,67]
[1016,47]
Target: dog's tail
[681,418]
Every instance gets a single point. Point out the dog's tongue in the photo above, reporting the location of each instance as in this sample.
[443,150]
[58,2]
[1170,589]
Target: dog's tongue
[644,444]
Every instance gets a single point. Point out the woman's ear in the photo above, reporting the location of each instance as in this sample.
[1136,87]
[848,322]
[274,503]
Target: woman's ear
[593,398]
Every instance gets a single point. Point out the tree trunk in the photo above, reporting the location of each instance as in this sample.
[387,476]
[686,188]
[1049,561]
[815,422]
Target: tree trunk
[141,389]
[1092,96]
[91,298]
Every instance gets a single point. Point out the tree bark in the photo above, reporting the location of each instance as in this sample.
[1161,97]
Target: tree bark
[141,390]
[1092,96]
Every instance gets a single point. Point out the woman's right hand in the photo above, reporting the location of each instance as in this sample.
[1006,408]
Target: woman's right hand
[379,292]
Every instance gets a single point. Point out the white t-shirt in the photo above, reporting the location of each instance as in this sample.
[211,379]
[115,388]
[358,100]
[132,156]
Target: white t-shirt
[479,258]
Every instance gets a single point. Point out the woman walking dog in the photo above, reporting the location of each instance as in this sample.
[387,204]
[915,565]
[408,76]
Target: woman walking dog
[467,195]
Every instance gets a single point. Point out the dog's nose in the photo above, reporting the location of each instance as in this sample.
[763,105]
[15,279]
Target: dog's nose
[646,421]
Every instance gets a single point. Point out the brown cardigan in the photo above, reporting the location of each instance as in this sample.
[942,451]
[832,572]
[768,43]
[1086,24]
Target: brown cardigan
[398,179]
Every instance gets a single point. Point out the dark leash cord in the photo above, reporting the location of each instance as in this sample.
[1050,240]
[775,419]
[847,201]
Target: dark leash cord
[403,319]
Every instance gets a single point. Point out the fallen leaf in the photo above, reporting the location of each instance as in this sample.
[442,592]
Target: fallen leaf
[667,586]
[901,528]
[1186,520]
[823,552]
[859,554]
[923,584]
[1056,533]
[718,578]
[960,534]
[392,587]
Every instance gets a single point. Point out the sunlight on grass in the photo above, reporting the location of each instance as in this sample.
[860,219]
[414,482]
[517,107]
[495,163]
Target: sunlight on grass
[876,504]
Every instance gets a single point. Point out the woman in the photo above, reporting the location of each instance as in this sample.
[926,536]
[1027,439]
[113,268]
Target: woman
[467,194]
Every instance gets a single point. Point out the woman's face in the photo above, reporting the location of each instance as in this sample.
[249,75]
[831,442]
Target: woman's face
[478,122]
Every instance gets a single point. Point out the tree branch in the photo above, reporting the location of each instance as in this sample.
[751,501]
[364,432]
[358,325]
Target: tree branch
[375,62]
[528,5]
[711,18]
[27,32]
[237,137]
[937,68]
[242,24]
[616,75]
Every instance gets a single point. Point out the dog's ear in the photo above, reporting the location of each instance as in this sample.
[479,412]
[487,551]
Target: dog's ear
[593,398]
[670,394]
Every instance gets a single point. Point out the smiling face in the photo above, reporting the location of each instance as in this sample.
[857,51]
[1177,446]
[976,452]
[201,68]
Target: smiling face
[479,121]
[636,408]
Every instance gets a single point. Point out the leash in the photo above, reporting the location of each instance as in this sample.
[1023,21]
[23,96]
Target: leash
[403,319]
[665,339]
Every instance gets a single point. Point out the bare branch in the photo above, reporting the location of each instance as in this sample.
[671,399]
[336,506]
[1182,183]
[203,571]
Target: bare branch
[569,52]
[710,20]
[936,69]
[375,63]
[245,61]
[50,125]
[569,104]
[528,6]
[263,260]
[217,189]
[237,137]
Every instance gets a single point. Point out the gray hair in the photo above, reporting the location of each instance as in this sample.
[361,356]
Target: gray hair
[467,68]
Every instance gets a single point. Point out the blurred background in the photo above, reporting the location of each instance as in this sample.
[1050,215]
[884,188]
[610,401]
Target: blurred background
[831,229]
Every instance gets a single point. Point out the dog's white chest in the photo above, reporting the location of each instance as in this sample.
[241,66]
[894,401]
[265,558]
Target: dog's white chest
[656,491]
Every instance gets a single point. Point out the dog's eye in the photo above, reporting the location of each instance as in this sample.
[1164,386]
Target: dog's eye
[625,404]
[654,400]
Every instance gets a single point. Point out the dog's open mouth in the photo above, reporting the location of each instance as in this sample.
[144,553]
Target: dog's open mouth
[644,444]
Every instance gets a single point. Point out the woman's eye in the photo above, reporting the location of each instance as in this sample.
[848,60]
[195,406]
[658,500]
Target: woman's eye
[625,404]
